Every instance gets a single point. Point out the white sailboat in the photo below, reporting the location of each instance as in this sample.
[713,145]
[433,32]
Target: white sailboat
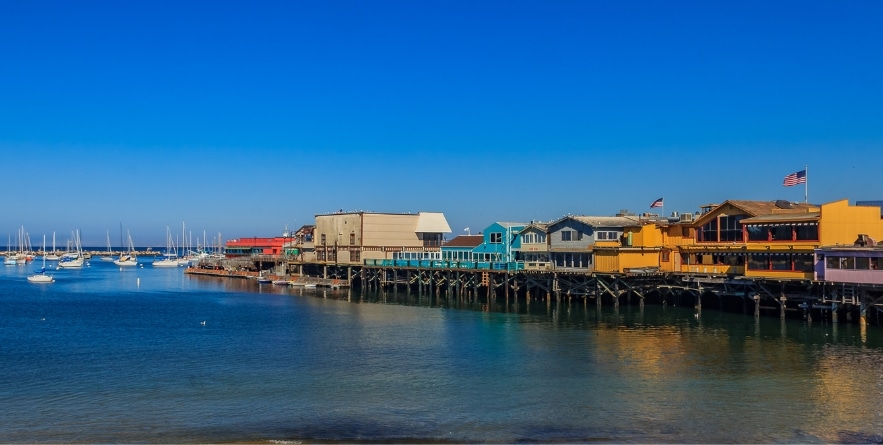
[52,256]
[170,258]
[10,259]
[128,259]
[109,255]
[73,259]
[42,277]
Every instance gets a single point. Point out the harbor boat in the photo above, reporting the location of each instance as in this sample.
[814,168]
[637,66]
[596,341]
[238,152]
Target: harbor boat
[52,256]
[128,258]
[109,256]
[170,258]
[41,277]
[281,282]
[73,259]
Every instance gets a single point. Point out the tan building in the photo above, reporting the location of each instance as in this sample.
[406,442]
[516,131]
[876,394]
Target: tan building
[352,237]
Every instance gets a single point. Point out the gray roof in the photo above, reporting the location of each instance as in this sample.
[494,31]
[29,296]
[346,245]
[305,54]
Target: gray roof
[608,221]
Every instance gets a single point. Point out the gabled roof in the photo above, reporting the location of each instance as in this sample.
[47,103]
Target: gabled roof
[765,208]
[539,226]
[756,208]
[465,241]
[509,225]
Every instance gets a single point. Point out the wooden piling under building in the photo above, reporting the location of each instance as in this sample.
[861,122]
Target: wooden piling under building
[732,293]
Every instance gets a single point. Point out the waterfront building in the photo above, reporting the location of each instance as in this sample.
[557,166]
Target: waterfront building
[460,248]
[772,239]
[643,247]
[533,250]
[300,246]
[354,237]
[252,246]
[858,263]
[572,239]
[499,242]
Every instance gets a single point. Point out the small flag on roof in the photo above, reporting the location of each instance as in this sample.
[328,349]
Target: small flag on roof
[657,203]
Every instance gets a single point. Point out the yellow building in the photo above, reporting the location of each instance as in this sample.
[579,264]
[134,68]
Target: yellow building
[646,246]
[772,239]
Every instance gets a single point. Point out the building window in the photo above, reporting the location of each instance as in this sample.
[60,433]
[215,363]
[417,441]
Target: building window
[666,254]
[496,237]
[730,228]
[808,232]
[323,239]
[607,235]
[758,233]
[355,255]
[571,235]
[708,233]
[352,239]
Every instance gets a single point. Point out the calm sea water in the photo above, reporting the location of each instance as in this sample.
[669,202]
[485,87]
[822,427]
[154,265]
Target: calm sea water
[107,356]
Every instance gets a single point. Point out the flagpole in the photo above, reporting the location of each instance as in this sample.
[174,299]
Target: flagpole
[805,184]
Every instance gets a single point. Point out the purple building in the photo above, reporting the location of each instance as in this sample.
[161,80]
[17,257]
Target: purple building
[858,263]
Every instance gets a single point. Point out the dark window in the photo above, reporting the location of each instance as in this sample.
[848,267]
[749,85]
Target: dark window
[862,263]
[832,262]
[323,238]
[803,262]
[782,232]
[758,233]
[355,255]
[352,238]
[496,238]
[730,228]
[809,232]
[758,261]
[709,232]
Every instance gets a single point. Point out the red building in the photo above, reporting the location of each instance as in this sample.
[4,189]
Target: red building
[255,246]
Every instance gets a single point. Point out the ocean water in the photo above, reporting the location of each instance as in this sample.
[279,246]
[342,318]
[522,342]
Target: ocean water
[105,355]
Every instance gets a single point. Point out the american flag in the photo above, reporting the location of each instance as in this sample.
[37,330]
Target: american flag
[657,203]
[795,178]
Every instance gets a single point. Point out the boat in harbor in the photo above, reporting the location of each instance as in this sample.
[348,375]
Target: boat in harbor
[127,258]
[73,259]
[170,258]
[41,277]
[109,255]
[53,256]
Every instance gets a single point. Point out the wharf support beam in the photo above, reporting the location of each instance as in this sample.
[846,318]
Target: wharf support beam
[771,297]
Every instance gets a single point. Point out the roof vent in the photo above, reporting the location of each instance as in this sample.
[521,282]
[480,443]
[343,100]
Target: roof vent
[865,240]
[783,204]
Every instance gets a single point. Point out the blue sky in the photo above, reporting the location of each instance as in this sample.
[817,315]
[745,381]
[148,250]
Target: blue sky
[242,118]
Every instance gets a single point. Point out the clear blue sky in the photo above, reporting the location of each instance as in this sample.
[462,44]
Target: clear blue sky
[244,117]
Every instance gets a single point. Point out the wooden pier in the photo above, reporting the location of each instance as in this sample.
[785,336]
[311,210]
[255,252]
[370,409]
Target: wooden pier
[803,298]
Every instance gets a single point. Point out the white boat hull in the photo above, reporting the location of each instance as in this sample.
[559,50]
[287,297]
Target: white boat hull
[41,278]
[126,262]
[70,264]
[165,263]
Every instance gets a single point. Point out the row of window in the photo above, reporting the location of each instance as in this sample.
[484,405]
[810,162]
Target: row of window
[729,231]
[852,263]
[796,262]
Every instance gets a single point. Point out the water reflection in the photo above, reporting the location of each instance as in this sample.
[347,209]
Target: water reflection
[627,374]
